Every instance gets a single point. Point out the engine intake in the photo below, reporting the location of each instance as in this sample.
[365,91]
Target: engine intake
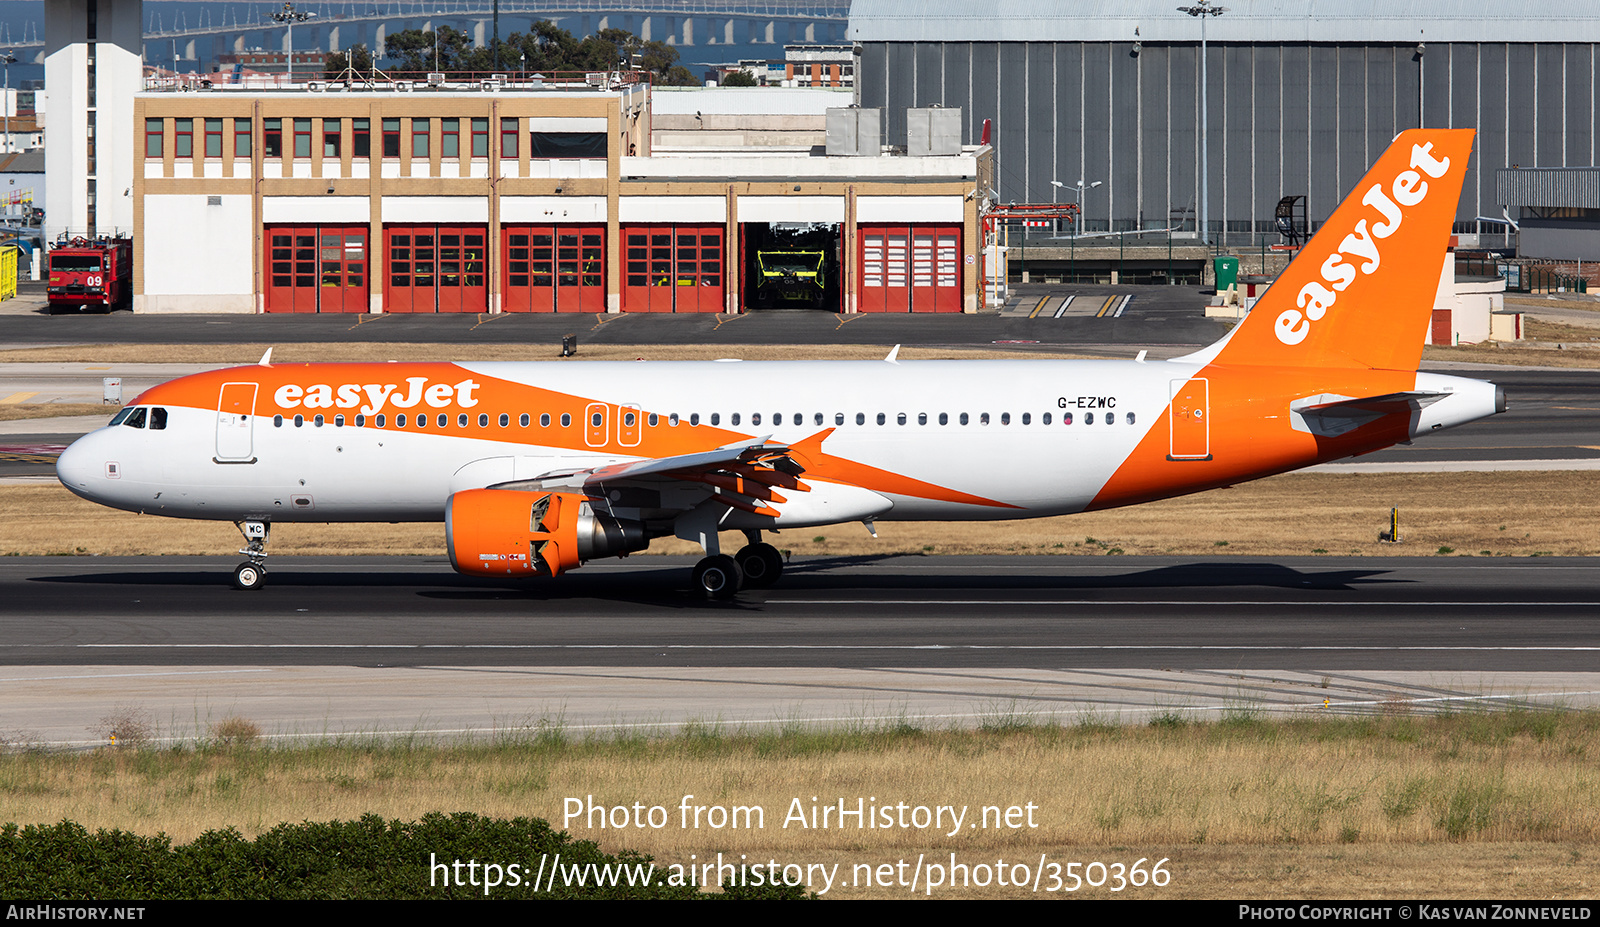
[508,532]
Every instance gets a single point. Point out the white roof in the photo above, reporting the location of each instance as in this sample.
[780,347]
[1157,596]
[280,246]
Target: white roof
[748,101]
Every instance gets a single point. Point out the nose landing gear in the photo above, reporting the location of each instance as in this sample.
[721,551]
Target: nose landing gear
[252,574]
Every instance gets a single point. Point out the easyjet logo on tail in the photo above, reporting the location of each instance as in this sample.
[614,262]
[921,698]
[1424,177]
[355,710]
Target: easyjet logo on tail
[1360,250]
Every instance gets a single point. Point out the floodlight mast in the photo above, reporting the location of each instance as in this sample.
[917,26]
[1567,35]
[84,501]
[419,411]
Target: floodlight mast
[1203,10]
[289,16]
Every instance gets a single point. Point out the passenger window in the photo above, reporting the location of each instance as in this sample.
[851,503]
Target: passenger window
[716,418]
[672,420]
[461,420]
[963,418]
[983,419]
[277,421]
[544,420]
[317,421]
[1005,418]
[861,418]
[1088,418]
[1045,420]
[880,418]
[483,420]
[338,421]
[654,420]
[136,420]
[1130,418]
[380,420]
[944,418]
[504,420]
[524,420]
[566,420]
[1066,418]
[922,418]
[694,418]
[732,419]
[820,419]
[800,419]
[900,419]
[755,418]
[300,421]
[399,420]
[361,421]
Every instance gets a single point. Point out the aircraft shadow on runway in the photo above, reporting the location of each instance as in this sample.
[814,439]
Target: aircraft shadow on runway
[666,585]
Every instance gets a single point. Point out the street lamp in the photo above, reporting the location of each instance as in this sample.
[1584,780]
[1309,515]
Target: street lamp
[1082,187]
[1203,10]
[289,16]
[1055,221]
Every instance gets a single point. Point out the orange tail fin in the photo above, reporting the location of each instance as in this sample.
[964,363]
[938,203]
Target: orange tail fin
[1360,293]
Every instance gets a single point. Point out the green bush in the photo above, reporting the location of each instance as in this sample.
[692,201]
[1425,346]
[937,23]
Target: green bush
[367,859]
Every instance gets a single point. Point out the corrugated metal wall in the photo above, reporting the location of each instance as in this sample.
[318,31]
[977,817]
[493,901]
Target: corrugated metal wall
[1285,119]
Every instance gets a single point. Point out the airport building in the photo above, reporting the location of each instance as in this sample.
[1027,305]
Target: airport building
[1301,96]
[534,196]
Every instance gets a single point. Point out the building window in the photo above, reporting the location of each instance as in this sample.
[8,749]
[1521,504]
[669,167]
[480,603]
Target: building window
[508,138]
[213,138]
[449,139]
[152,138]
[480,138]
[241,138]
[331,138]
[419,138]
[272,138]
[183,138]
[302,138]
[360,138]
[391,138]
[567,145]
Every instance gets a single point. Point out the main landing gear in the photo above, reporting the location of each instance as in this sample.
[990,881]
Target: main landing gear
[756,566]
[252,574]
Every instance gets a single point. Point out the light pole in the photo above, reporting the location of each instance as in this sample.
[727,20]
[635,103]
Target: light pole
[1082,187]
[289,16]
[1203,10]
[9,59]
[1055,221]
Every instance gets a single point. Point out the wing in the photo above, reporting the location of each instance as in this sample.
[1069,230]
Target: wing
[750,476]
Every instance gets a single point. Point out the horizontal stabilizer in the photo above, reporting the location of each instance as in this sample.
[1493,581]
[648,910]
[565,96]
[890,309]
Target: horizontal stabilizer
[1331,416]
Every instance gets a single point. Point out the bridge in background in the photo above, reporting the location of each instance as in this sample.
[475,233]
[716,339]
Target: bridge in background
[703,31]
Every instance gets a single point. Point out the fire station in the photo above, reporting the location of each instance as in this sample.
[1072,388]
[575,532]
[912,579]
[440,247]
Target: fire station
[496,195]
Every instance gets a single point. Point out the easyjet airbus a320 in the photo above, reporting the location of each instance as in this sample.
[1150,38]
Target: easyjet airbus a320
[535,468]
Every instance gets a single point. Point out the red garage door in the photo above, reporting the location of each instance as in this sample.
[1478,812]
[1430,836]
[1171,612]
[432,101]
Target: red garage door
[314,268]
[915,268]
[555,268]
[437,268]
[672,268]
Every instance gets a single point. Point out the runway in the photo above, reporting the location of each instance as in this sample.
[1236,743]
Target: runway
[402,644]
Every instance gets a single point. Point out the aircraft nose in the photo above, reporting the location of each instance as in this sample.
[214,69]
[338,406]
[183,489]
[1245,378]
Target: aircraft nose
[79,466]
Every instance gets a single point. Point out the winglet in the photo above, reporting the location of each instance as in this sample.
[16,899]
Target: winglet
[1361,291]
[893,354]
[266,359]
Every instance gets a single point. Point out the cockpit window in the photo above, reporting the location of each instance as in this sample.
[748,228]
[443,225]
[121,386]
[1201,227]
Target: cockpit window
[158,418]
[136,420]
[120,417]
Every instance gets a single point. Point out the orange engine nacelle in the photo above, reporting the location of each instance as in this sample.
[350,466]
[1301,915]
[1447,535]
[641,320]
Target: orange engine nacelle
[509,532]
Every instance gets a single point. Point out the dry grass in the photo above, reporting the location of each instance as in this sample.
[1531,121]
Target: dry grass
[1580,347]
[1473,514]
[1241,807]
[363,352]
[19,411]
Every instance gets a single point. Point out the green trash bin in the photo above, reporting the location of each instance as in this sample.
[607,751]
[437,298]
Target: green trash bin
[1225,271]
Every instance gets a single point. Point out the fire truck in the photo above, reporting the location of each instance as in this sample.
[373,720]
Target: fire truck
[91,274]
